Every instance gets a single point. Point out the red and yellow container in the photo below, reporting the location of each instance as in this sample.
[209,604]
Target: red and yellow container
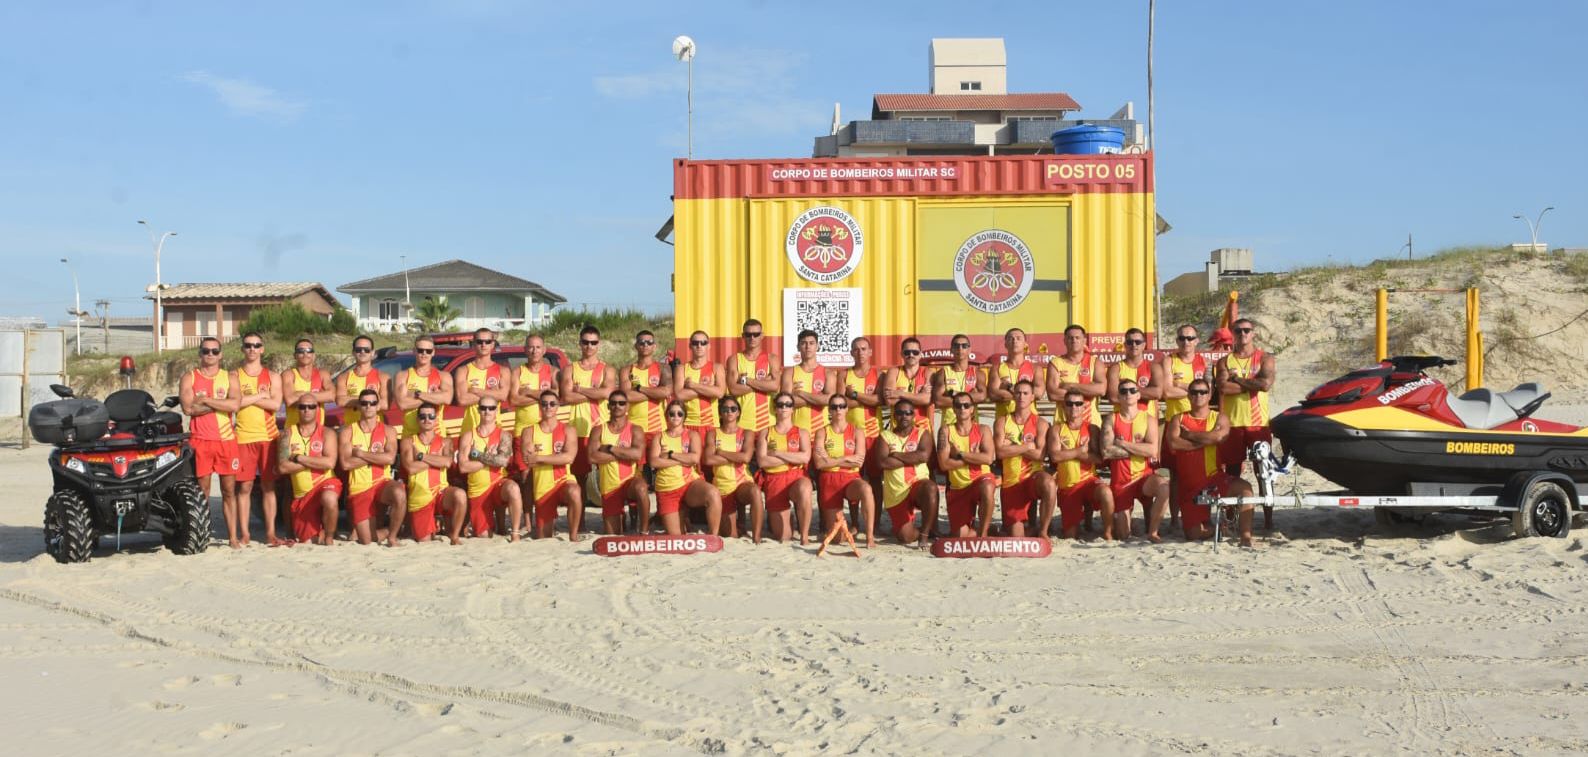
[919,246]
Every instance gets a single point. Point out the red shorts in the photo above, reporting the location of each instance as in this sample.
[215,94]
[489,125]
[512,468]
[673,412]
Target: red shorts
[581,459]
[903,514]
[546,505]
[423,521]
[306,510]
[1193,514]
[361,506]
[257,459]
[1017,499]
[830,488]
[1126,495]
[613,502]
[1232,451]
[218,456]
[482,509]
[668,503]
[962,504]
[779,488]
[1073,502]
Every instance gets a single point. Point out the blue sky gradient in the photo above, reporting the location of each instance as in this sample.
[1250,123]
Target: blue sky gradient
[321,141]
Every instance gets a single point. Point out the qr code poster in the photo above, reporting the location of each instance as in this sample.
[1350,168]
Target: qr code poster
[835,316]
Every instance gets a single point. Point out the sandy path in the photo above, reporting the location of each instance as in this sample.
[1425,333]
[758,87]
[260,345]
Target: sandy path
[1450,639]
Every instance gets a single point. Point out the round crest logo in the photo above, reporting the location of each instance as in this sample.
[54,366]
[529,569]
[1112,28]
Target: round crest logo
[993,271]
[824,244]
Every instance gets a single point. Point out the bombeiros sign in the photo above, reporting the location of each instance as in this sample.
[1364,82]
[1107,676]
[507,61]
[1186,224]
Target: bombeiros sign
[657,544]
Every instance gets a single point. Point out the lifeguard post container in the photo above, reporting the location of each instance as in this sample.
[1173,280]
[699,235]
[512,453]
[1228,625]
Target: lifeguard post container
[929,247]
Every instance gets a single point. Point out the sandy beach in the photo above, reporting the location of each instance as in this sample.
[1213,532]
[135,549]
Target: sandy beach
[1328,638]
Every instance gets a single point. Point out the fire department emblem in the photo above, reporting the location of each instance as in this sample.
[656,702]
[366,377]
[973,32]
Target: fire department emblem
[993,271]
[824,244]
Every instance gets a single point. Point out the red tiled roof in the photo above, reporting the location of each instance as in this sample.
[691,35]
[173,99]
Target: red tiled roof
[1028,101]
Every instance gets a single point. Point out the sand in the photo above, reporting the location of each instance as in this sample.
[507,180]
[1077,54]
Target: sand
[1328,638]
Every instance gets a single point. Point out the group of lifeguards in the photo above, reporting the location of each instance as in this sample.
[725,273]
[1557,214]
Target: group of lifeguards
[748,446]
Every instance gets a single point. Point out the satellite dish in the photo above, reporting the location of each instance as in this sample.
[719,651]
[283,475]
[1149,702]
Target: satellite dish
[683,48]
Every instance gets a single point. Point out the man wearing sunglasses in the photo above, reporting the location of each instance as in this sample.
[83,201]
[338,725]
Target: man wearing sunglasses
[1021,445]
[308,456]
[585,388]
[699,383]
[1173,376]
[783,452]
[910,381]
[727,452]
[1013,367]
[617,450]
[533,377]
[965,452]
[426,456]
[1077,368]
[754,377]
[209,400]
[1130,444]
[484,452]
[1196,435]
[840,452]
[1134,367]
[958,376]
[361,376]
[420,384]
[1242,379]
[648,384]
[305,378]
[907,486]
[547,449]
[806,382]
[479,378]
[259,398]
[862,385]
[1075,449]
[368,450]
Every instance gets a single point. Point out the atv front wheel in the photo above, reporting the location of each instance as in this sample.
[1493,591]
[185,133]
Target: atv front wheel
[68,527]
[191,534]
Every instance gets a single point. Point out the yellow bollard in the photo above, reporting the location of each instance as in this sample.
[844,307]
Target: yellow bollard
[1474,343]
[1381,325]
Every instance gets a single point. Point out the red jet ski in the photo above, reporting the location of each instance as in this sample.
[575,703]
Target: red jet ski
[1393,429]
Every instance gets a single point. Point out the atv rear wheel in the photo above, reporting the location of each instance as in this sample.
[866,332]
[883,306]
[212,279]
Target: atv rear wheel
[1545,510]
[68,527]
[190,534]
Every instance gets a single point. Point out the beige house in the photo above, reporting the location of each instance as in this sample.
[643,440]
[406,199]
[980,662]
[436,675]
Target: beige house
[194,311]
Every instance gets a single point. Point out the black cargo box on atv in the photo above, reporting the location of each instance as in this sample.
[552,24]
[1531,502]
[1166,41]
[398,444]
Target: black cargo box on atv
[68,421]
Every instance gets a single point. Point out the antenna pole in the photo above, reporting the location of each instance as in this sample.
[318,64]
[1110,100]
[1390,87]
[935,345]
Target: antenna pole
[689,148]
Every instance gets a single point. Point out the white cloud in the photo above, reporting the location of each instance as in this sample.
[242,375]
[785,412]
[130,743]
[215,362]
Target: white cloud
[246,98]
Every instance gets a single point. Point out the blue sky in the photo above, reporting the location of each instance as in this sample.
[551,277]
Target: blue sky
[321,141]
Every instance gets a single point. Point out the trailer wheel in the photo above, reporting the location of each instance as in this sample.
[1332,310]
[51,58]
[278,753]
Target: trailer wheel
[1545,510]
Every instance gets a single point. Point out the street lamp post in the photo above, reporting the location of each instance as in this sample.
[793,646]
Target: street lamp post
[1532,226]
[77,305]
[159,314]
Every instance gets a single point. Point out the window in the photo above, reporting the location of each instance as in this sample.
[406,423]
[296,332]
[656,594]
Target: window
[389,310]
[925,118]
[970,86]
[474,307]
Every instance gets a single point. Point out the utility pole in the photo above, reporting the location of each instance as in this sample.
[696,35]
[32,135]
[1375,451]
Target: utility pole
[1408,247]
[103,306]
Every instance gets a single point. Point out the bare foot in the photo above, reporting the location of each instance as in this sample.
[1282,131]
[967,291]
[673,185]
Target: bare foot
[455,540]
[245,540]
[1154,538]
[871,543]
[575,538]
[391,541]
[513,538]
[234,544]
[1246,541]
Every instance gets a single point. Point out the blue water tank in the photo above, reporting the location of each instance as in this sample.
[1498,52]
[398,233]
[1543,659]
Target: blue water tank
[1088,140]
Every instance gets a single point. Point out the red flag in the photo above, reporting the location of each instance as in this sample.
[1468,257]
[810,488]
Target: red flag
[1222,337]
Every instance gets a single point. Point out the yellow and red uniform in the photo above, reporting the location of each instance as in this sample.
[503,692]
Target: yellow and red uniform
[647,413]
[364,484]
[476,378]
[298,384]
[728,478]
[1019,486]
[700,413]
[1008,376]
[1076,478]
[308,484]
[674,480]
[424,489]
[899,483]
[256,431]
[757,406]
[809,419]
[957,381]
[485,484]
[833,480]
[544,378]
[1198,470]
[1181,372]
[1084,371]
[585,416]
[1141,373]
[372,380]
[778,480]
[548,480]
[614,476]
[961,489]
[213,438]
[915,383]
[413,382]
[1247,411]
[1126,475]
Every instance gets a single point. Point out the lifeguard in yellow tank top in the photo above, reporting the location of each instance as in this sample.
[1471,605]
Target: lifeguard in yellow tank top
[866,418]
[546,478]
[700,411]
[215,426]
[647,413]
[300,384]
[423,488]
[674,477]
[1181,372]
[481,481]
[728,478]
[810,419]
[959,478]
[1008,376]
[1073,473]
[1142,375]
[476,377]
[897,482]
[780,441]
[836,445]
[304,481]
[542,379]
[1018,469]
[360,479]
[1247,408]
[356,383]
[584,416]
[918,382]
[613,475]
[1124,471]
[254,424]
[757,405]
[416,383]
[1085,371]
[957,381]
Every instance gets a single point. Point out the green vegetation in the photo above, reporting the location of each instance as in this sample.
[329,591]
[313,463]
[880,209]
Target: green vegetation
[292,320]
[435,315]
